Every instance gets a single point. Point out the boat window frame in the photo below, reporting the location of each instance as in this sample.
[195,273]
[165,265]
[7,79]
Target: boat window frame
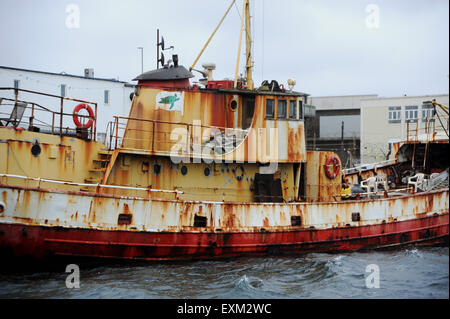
[300,110]
[285,109]
[268,116]
[295,104]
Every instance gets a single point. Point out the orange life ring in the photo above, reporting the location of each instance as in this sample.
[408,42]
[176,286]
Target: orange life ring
[75,115]
[332,167]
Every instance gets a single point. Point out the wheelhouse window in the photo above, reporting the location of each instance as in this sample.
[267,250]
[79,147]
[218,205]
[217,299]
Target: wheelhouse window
[395,114]
[281,112]
[270,108]
[411,113]
[293,110]
[300,109]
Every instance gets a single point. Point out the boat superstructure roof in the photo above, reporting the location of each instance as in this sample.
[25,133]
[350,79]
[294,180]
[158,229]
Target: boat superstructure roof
[165,74]
[181,73]
[260,92]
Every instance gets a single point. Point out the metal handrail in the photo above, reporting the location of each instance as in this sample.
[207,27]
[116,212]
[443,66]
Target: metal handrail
[61,113]
[428,128]
[91,185]
[40,108]
[369,166]
[117,126]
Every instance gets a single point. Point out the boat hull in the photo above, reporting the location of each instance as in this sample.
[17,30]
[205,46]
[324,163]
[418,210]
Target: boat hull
[43,223]
[41,242]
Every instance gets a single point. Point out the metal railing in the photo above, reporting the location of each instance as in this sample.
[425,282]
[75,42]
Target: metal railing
[426,129]
[366,167]
[97,186]
[121,130]
[56,116]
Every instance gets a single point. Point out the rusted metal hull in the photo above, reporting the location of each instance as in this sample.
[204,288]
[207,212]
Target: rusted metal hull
[41,242]
[42,223]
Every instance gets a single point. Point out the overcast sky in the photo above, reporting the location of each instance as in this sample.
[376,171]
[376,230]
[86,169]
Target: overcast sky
[330,47]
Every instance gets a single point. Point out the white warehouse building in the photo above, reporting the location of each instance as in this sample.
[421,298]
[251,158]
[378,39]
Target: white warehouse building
[384,120]
[113,97]
[374,122]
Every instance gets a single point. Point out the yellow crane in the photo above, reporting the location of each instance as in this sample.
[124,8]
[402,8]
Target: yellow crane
[443,108]
[248,54]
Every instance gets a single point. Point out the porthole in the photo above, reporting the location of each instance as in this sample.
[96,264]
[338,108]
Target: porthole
[184,170]
[207,171]
[233,105]
[156,169]
[145,166]
[239,172]
[36,150]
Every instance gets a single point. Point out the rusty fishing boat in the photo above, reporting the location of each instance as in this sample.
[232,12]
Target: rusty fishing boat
[212,169]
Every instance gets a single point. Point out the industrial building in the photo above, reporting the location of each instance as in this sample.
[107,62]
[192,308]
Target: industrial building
[360,127]
[336,126]
[384,120]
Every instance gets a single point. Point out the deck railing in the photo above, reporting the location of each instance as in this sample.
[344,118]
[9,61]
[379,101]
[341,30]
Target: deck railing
[124,131]
[96,186]
[56,117]
[427,129]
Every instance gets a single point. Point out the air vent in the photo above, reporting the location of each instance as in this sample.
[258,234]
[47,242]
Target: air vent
[200,221]
[124,219]
[296,220]
[356,217]
[89,73]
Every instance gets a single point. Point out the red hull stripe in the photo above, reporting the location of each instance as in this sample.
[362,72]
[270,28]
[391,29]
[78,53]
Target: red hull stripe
[42,241]
[105,243]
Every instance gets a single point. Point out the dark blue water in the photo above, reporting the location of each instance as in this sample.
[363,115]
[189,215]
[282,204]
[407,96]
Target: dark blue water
[411,272]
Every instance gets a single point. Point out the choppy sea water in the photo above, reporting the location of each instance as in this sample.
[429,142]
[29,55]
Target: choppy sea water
[411,272]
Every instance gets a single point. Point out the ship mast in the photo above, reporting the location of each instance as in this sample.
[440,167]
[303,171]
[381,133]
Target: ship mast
[248,45]
[248,53]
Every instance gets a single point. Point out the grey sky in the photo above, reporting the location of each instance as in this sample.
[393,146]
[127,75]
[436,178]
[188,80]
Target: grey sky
[324,44]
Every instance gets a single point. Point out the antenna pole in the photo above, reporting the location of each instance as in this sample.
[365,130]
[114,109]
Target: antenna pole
[240,43]
[214,32]
[157,48]
[248,52]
